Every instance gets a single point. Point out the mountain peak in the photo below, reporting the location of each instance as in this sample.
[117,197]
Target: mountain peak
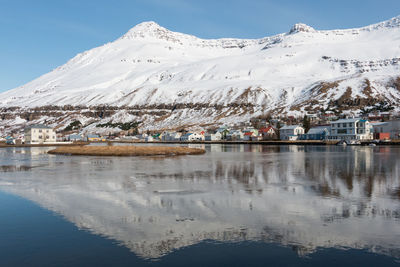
[146,26]
[146,29]
[301,27]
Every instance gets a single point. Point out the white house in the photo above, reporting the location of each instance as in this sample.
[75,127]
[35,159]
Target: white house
[39,134]
[351,129]
[192,137]
[267,133]
[213,137]
[149,138]
[291,132]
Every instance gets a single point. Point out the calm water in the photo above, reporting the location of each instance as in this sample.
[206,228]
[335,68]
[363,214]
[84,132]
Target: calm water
[236,205]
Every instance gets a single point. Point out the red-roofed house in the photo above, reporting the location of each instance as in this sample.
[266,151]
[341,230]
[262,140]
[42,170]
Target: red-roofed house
[248,136]
[268,133]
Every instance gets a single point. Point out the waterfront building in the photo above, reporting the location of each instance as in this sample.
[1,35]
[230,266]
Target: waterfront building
[316,133]
[39,134]
[213,137]
[351,129]
[268,133]
[291,132]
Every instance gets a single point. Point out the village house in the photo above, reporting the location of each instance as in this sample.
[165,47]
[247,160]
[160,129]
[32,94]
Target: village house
[94,138]
[10,140]
[329,116]
[268,133]
[223,131]
[157,137]
[185,137]
[190,137]
[142,136]
[351,129]
[74,137]
[381,116]
[386,130]
[213,137]
[313,118]
[394,127]
[291,132]
[316,133]
[149,138]
[171,136]
[39,134]
[248,136]
[235,135]
[251,129]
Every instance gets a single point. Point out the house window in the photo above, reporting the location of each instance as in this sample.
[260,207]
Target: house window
[40,131]
[342,131]
[344,125]
[40,137]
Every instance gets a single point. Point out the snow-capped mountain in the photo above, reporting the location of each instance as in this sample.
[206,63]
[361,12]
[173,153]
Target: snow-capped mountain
[166,78]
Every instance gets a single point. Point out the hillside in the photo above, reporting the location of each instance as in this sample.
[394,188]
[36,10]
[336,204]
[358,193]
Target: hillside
[168,79]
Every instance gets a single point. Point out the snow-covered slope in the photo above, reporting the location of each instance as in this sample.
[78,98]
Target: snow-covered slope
[304,69]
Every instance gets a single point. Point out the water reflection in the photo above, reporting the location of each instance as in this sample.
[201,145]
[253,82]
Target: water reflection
[303,197]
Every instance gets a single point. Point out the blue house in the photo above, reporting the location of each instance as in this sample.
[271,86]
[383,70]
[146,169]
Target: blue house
[10,140]
[316,133]
[75,137]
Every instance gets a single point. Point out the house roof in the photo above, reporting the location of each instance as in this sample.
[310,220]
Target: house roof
[290,127]
[249,133]
[93,136]
[318,130]
[380,123]
[222,129]
[38,126]
[349,120]
[267,129]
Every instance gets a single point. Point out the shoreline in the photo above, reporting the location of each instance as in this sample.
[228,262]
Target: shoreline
[128,151]
[270,143]
[44,145]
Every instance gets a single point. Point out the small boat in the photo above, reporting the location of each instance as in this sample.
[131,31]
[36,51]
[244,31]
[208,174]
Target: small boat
[355,142]
[342,143]
[372,144]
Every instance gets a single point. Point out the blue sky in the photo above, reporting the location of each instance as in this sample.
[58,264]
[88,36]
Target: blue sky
[39,35]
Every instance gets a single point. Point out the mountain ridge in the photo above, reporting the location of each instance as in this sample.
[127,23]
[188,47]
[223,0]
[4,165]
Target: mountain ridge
[302,70]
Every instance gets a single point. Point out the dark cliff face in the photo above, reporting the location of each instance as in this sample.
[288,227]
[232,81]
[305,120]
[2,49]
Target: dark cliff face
[60,116]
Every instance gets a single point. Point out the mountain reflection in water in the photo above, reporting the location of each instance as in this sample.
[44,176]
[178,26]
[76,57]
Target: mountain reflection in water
[303,197]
